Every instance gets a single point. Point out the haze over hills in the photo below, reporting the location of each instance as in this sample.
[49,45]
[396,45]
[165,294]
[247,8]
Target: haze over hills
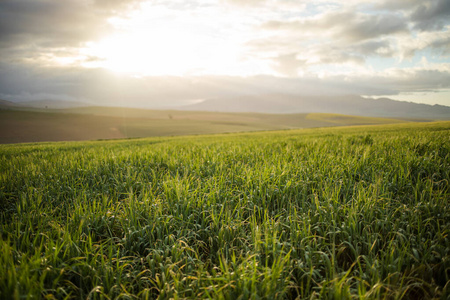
[285,104]
[348,105]
[50,103]
[6,103]
[54,104]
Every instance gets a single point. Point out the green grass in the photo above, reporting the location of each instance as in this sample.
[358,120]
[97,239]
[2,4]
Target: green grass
[343,120]
[91,123]
[334,213]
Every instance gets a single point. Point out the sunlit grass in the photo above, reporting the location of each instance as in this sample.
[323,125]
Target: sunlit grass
[339,119]
[357,212]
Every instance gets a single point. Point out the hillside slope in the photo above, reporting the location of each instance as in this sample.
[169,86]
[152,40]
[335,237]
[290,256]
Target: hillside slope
[92,123]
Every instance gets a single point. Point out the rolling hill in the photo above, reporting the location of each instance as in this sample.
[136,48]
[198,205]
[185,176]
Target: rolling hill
[90,123]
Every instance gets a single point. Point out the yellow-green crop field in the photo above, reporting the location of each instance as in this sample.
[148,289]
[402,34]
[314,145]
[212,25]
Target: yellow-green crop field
[331,213]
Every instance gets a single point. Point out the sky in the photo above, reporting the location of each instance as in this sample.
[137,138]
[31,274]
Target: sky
[161,54]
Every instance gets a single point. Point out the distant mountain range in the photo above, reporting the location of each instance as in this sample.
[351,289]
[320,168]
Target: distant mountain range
[348,105]
[283,104]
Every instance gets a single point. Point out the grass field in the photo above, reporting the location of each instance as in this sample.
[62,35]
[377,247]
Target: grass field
[335,213]
[92,123]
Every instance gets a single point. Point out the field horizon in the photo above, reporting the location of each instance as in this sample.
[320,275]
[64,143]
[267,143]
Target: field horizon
[19,125]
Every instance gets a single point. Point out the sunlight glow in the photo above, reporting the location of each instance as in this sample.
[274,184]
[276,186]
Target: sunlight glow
[149,45]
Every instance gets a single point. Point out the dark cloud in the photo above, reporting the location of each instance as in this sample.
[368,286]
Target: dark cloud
[46,23]
[442,44]
[364,27]
[425,15]
[346,25]
[382,48]
[404,5]
[431,15]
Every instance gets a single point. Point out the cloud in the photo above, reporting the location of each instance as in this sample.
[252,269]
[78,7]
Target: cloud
[419,79]
[350,37]
[105,88]
[425,15]
[403,5]
[442,44]
[288,64]
[364,27]
[381,47]
[116,5]
[42,44]
[246,2]
[437,41]
[431,15]
[336,38]
[345,25]
[46,24]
